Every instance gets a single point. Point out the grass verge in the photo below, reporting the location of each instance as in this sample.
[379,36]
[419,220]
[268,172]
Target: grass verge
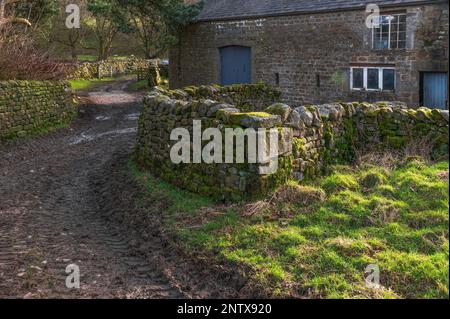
[316,240]
[83,84]
[142,85]
[138,86]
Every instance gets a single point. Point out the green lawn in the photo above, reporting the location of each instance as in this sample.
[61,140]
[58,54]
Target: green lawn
[317,239]
[83,84]
[142,85]
[138,85]
[93,58]
[87,58]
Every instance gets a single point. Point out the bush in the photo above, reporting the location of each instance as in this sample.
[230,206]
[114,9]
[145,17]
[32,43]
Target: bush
[21,60]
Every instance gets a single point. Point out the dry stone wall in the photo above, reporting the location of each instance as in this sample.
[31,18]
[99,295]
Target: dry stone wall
[310,137]
[29,107]
[108,68]
[255,97]
[165,111]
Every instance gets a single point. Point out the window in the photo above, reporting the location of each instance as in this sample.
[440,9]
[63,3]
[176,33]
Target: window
[372,78]
[389,32]
[358,78]
[388,79]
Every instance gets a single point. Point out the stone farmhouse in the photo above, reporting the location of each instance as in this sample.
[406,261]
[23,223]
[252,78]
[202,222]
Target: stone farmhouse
[320,51]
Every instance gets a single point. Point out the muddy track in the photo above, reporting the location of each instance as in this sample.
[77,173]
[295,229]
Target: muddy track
[67,198]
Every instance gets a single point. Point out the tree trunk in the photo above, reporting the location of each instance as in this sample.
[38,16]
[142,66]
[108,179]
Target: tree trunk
[2,9]
[73,51]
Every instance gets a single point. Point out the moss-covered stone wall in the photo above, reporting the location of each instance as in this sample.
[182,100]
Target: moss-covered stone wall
[330,133]
[150,73]
[30,107]
[166,110]
[247,98]
[310,137]
[108,68]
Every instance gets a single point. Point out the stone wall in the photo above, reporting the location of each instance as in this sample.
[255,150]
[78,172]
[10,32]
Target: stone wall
[28,107]
[330,133]
[309,56]
[254,97]
[151,73]
[108,68]
[310,136]
[166,110]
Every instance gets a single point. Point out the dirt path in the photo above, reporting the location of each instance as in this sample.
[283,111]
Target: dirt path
[61,199]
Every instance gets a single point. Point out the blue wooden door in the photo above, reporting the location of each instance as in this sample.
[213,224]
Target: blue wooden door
[435,90]
[236,65]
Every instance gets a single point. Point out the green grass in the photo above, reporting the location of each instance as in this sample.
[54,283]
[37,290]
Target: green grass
[83,84]
[87,58]
[138,86]
[93,58]
[395,219]
[142,85]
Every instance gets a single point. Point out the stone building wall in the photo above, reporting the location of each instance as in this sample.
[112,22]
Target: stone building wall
[29,107]
[308,56]
[310,137]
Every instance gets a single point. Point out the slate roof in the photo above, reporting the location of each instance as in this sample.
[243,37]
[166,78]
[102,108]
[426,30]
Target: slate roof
[234,9]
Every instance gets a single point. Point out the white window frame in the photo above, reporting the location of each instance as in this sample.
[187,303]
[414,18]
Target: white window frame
[365,79]
[390,29]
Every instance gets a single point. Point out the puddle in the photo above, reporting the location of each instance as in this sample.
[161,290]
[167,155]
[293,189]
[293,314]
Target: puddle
[102,118]
[84,137]
[132,116]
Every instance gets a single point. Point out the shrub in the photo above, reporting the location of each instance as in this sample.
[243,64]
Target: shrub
[21,60]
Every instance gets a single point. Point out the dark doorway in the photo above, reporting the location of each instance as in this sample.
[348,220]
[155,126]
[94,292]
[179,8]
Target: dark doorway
[434,90]
[236,65]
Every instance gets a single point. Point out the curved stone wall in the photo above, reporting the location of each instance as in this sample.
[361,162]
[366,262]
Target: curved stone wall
[309,137]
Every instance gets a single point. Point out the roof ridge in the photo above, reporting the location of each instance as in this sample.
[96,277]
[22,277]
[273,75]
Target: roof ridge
[241,9]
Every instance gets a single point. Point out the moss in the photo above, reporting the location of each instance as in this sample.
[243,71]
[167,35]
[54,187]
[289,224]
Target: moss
[415,274]
[372,178]
[340,150]
[41,129]
[339,181]
[279,109]
[395,141]
[236,118]
[298,147]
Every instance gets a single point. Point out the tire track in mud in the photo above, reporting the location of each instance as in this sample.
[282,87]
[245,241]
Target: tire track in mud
[67,203]
[49,215]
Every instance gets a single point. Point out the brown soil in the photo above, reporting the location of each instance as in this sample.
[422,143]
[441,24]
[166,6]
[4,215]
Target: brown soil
[68,198]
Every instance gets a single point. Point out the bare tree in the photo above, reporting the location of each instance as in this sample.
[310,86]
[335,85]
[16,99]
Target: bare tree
[21,60]
[70,38]
[6,20]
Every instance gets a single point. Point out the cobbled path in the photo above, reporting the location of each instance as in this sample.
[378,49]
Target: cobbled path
[56,192]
